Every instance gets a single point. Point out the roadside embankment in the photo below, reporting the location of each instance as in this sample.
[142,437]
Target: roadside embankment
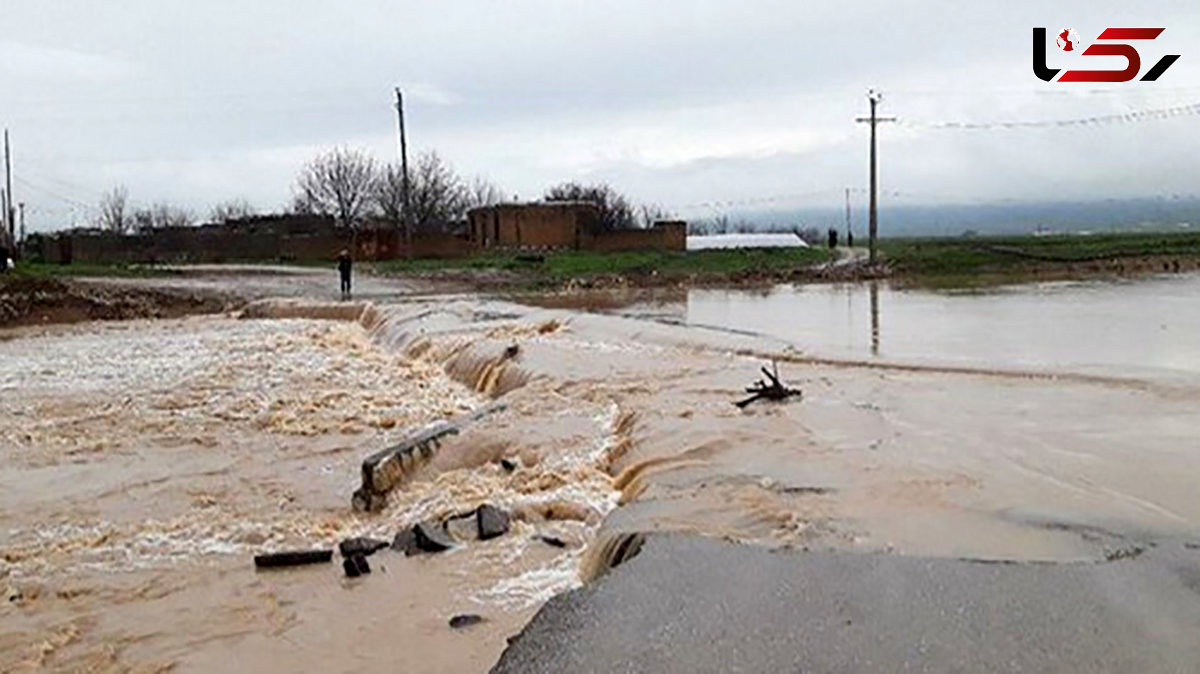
[31,301]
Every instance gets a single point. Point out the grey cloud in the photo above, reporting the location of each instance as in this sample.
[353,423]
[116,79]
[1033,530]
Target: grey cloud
[676,102]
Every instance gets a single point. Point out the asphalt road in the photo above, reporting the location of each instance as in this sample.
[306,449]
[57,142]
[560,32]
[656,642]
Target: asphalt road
[687,604]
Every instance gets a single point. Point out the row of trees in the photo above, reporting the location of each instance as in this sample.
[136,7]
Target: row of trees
[351,187]
[616,212]
[116,214]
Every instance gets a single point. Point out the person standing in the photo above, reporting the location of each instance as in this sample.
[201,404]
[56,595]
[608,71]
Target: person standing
[344,266]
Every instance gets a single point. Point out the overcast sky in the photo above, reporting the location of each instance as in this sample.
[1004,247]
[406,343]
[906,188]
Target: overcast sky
[678,102]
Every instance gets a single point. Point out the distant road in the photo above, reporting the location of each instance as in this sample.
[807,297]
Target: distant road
[259,281]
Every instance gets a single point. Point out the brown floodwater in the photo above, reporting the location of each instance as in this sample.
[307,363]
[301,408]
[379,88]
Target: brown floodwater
[1107,326]
[142,464]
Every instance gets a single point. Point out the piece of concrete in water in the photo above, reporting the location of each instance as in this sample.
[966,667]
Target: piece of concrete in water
[431,537]
[361,545]
[406,542]
[292,558]
[356,566]
[466,620]
[385,470]
[491,522]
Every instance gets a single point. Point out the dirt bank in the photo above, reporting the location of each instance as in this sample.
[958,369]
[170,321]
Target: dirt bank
[33,301]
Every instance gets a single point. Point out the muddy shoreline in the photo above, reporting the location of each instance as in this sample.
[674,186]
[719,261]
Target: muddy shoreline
[38,301]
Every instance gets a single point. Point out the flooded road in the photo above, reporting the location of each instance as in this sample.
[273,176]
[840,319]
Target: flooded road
[143,463]
[1099,326]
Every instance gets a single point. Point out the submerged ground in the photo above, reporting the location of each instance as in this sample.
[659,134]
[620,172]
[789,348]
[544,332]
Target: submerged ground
[145,462]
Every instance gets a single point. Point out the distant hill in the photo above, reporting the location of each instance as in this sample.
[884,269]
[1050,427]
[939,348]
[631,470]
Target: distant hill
[1003,218]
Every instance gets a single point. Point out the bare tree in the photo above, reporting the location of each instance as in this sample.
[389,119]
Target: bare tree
[437,196]
[160,216]
[387,194]
[482,192]
[337,183]
[615,210]
[234,209]
[114,215]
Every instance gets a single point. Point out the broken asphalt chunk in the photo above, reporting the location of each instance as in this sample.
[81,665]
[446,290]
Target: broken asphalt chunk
[491,522]
[292,558]
[356,566]
[431,537]
[361,546]
[465,620]
[406,542]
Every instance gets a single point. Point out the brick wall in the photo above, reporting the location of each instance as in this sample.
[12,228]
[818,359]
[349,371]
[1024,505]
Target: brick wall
[662,236]
[543,226]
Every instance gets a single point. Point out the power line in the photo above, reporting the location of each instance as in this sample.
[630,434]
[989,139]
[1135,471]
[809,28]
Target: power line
[1096,120]
[54,194]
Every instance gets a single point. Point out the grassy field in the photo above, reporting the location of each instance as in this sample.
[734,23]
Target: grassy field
[40,270]
[991,259]
[555,267]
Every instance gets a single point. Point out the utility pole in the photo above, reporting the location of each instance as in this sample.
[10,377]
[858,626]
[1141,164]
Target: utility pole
[21,209]
[849,234]
[408,251]
[8,204]
[874,97]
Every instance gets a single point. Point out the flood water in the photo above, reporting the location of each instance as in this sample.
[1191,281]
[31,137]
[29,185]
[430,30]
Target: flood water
[145,462]
[1109,327]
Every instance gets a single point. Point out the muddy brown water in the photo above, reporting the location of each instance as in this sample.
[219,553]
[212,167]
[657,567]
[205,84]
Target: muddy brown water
[1116,326]
[145,462]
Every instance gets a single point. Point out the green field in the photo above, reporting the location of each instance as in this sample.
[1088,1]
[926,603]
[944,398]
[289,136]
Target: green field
[974,260]
[39,270]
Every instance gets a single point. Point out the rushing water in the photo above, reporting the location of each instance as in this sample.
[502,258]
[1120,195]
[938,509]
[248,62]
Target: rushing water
[1128,326]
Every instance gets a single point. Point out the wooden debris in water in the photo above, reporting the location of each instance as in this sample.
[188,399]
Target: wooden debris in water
[775,390]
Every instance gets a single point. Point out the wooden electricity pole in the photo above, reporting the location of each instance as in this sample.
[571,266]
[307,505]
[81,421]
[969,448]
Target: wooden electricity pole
[849,234]
[408,251]
[874,97]
[8,203]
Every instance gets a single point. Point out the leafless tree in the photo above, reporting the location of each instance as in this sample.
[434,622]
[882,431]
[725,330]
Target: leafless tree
[160,216]
[437,196]
[482,192]
[234,209]
[337,183]
[387,194]
[615,210]
[114,214]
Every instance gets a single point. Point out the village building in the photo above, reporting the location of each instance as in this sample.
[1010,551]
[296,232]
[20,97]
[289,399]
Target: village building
[564,225]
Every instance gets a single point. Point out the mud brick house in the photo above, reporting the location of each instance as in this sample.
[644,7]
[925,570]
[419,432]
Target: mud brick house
[558,225]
